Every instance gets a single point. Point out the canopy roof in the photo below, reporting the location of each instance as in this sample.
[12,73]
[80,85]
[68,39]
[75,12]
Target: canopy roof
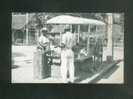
[66,19]
[58,28]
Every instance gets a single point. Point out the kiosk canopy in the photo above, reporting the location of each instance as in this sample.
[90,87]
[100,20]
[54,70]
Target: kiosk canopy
[67,19]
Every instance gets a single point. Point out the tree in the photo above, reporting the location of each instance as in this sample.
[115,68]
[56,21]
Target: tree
[109,36]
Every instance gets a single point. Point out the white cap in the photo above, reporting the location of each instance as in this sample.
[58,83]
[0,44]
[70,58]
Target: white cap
[44,29]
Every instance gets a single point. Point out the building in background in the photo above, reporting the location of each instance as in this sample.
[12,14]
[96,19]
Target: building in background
[22,33]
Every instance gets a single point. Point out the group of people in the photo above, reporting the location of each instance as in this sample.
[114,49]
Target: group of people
[67,54]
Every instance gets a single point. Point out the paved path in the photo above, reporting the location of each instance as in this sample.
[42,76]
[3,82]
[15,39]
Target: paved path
[116,77]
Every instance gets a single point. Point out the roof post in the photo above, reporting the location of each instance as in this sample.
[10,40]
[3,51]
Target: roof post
[78,32]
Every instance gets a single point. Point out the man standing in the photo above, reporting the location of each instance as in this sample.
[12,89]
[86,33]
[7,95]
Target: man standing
[43,40]
[67,56]
[43,48]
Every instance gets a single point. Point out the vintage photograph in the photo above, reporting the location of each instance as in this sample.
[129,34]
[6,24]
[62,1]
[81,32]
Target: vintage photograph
[77,48]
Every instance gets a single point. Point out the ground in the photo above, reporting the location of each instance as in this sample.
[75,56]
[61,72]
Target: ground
[22,70]
[116,77]
[118,72]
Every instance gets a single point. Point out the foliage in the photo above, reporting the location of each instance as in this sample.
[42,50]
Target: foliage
[39,20]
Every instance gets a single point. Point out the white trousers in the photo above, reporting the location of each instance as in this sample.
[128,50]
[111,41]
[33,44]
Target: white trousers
[67,65]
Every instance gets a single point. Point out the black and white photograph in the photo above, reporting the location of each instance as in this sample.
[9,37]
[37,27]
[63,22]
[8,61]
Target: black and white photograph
[77,48]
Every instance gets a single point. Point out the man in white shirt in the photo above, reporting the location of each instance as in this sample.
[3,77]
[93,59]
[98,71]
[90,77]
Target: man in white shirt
[43,40]
[43,60]
[67,56]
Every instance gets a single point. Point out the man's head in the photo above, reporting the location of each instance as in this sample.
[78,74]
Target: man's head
[44,31]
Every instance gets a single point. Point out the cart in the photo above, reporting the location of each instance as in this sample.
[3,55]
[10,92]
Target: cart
[88,33]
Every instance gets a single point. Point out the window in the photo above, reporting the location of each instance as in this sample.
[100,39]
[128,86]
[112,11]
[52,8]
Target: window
[92,28]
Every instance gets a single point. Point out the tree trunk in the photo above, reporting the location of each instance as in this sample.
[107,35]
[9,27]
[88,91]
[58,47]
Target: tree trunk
[109,36]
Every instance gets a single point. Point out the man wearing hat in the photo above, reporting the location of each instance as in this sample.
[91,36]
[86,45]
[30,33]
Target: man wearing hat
[43,40]
[67,55]
[43,46]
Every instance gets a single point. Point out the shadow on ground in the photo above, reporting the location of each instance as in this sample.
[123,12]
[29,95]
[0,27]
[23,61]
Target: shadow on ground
[83,75]
[87,70]
[15,66]
[106,74]
[16,54]
[94,69]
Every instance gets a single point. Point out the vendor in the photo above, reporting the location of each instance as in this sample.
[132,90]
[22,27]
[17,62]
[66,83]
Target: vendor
[43,41]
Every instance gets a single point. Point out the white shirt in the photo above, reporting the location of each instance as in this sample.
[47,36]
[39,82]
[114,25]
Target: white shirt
[42,39]
[68,39]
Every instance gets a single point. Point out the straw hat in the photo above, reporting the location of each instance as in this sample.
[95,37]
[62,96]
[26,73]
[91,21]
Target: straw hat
[44,29]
